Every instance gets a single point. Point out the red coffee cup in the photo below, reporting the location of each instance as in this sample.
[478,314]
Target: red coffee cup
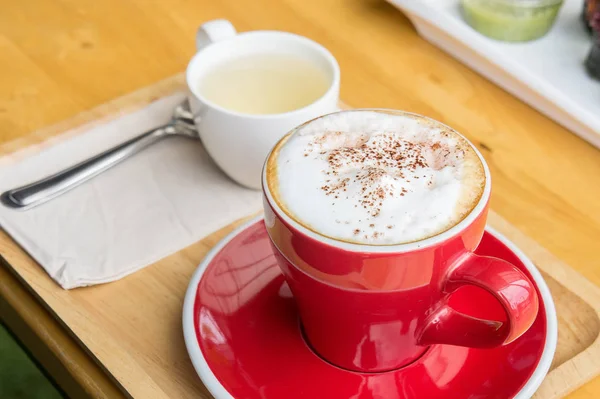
[373,308]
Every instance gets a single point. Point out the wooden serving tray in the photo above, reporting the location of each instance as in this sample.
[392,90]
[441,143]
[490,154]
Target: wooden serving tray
[132,327]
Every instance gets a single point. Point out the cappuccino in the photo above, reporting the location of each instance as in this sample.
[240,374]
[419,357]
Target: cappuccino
[375,177]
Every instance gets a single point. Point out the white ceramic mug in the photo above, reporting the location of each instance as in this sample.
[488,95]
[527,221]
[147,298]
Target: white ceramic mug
[239,143]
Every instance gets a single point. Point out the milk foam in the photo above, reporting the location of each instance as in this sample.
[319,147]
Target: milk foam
[376,178]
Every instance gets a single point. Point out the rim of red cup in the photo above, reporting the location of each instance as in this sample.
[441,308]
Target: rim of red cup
[215,387]
[380,248]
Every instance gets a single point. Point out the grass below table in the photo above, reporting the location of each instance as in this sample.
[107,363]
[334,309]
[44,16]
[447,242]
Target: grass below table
[20,378]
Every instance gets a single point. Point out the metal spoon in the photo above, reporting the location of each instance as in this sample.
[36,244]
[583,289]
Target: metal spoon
[33,194]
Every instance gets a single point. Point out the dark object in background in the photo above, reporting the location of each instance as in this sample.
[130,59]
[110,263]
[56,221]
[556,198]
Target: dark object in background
[592,63]
[589,8]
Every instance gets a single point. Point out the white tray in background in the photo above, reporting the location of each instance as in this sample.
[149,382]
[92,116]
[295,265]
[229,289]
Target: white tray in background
[548,73]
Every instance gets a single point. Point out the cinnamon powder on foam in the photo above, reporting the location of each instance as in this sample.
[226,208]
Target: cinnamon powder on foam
[368,171]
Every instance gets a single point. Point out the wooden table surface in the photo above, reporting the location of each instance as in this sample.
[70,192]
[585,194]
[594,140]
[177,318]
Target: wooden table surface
[62,57]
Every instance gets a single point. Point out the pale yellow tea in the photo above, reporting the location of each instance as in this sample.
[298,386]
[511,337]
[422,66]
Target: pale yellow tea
[265,84]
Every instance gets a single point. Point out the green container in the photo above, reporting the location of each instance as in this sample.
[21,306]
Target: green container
[511,20]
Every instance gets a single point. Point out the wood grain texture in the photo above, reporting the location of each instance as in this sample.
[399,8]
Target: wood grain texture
[64,57]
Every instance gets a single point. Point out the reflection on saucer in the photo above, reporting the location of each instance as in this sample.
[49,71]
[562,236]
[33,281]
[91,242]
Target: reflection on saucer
[237,277]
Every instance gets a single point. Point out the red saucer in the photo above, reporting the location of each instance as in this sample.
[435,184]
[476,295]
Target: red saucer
[243,335]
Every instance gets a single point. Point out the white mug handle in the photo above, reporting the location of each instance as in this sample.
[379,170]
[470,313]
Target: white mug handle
[214,31]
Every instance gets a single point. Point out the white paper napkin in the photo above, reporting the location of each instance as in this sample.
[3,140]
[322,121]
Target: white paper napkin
[161,200]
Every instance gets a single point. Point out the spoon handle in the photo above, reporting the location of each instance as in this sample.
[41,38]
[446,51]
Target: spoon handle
[52,186]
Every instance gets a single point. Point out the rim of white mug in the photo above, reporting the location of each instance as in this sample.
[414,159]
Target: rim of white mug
[334,82]
[217,389]
[382,248]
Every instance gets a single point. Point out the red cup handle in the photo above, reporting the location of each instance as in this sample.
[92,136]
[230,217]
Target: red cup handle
[506,283]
